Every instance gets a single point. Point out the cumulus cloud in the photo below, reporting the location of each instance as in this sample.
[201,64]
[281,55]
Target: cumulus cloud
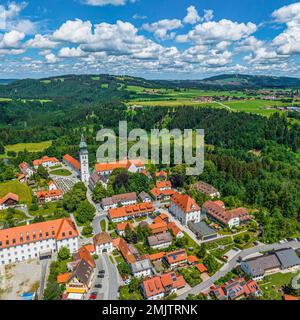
[102,3]
[161,28]
[51,58]
[75,31]
[192,16]
[288,13]
[41,42]
[11,40]
[67,52]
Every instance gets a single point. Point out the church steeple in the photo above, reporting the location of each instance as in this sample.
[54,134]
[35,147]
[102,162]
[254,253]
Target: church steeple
[84,161]
[82,144]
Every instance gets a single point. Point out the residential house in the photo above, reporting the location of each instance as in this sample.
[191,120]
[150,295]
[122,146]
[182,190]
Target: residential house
[207,189]
[141,268]
[172,282]
[157,256]
[153,288]
[121,227]
[162,191]
[184,208]
[26,169]
[130,212]
[10,200]
[175,230]
[46,162]
[115,201]
[48,196]
[145,197]
[52,186]
[236,289]
[135,166]
[161,175]
[34,240]
[176,258]
[160,241]
[159,227]
[128,251]
[227,218]
[103,242]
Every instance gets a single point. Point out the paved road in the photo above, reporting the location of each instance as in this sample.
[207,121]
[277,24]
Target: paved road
[44,265]
[234,262]
[96,222]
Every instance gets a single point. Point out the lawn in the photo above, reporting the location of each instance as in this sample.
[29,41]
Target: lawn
[191,276]
[103,225]
[19,215]
[14,186]
[271,285]
[61,172]
[126,295]
[44,211]
[30,147]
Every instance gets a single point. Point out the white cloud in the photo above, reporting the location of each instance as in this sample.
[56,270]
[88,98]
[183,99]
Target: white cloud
[41,42]
[288,13]
[161,28]
[101,3]
[75,31]
[67,52]
[139,17]
[51,58]
[223,30]
[11,40]
[208,15]
[192,16]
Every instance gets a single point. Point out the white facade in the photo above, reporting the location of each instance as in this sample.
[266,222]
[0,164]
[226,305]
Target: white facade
[47,164]
[234,222]
[52,186]
[142,273]
[104,247]
[33,249]
[84,162]
[161,245]
[184,217]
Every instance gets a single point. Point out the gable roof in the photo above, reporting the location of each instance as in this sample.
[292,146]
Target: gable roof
[72,161]
[44,159]
[176,256]
[153,286]
[185,202]
[10,196]
[102,238]
[130,210]
[163,184]
[48,193]
[110,166]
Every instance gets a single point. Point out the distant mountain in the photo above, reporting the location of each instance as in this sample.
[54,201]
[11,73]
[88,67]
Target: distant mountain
[252,81]
[7,81]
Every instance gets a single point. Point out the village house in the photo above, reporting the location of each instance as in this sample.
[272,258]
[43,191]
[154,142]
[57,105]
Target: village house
[35,240]
[106,169]
[115,201]
[236,289]
[176,258]
[283,260]
[158,227]
[48,195]
[160,241]
[26,169]
[130,212]
[52,186]
[121,227]
[145,197]
[184,208]
[71,162]
[94,179]
[162,191]
[10,200]
[103,242]
[46,162]
[216,211]
[207,189]
[175,230]
[159,287]
[128,251]
[141,268]
[161,175]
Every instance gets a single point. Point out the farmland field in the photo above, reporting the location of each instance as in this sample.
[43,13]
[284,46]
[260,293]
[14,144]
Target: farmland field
[173,103]
[21,189]
[30,147]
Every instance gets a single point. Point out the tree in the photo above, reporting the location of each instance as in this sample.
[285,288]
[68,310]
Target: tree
[87,230]
[124,268]
[134,285]
[202,251]
[42,172]
[63,254]
[2,149]
[52,291]
[130,235]
[211,264]
[85,212]
[99,192]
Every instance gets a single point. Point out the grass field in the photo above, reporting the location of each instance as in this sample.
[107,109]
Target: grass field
[5,99]
[21,189]
[30,147]
[271,285]
[61,172]
[173,103]
[19,215]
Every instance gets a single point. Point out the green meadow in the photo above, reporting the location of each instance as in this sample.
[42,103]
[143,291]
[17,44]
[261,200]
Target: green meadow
[30,147]
[14,186]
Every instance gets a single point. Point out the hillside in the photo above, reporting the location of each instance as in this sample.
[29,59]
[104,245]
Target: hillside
[103,88]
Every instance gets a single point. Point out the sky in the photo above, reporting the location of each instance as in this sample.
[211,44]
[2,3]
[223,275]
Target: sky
[155,39]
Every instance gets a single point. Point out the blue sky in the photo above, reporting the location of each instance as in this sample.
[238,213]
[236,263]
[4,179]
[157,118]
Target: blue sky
[172,39]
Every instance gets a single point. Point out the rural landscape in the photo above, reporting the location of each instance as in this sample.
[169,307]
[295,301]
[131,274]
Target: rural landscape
[75,227]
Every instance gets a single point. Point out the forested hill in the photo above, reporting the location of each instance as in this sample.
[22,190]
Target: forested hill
[90,88]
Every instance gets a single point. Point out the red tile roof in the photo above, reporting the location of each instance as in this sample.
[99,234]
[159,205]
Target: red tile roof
[102,238]
[49,193]
[192,259]
[218,212]
[122,226]
[110,166]
[175,229]
[44,159]
[158,227]
[171,279]
[290,297]
[85,254]
[201,267]
[157,192]
[163,184]
[125,249]
[156,256]
[185,202]
[177,256]
[63,277]
[131,210]
[10,196]
[161,174]
[72,161]
[153,286]
[54,229]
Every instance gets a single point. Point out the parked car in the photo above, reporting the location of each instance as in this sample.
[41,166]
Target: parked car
[101,272]
[93,296]
[256,243]
[98,286]
[100,276]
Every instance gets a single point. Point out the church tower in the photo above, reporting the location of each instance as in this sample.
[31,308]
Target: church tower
[84,161]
